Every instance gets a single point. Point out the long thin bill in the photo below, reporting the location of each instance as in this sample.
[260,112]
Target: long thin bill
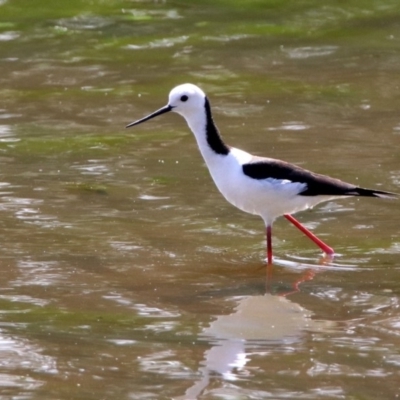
[162,110]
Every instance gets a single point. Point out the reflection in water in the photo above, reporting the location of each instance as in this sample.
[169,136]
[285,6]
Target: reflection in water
[256,323]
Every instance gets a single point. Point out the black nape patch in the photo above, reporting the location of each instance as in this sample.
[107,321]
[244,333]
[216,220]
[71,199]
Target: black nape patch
[213,137]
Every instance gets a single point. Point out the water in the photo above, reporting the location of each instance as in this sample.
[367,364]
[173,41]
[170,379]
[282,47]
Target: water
[124,272]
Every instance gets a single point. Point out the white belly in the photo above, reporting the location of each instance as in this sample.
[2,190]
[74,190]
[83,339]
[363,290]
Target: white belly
[268,198]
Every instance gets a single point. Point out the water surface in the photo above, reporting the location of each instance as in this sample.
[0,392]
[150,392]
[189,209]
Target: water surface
[124,273]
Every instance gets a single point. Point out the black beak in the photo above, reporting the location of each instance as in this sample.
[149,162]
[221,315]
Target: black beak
[162,110]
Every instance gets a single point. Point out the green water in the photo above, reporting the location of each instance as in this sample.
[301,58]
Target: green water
[125,274]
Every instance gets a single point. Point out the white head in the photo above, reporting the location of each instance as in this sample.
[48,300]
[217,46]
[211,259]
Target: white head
[187,100]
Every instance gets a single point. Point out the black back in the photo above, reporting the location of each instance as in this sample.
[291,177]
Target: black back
[317,184]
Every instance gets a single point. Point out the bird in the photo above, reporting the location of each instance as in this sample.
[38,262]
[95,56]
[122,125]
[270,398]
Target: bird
[267,187]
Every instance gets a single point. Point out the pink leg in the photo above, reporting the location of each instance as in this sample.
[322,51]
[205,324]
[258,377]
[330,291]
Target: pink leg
[269,244]
[324,247]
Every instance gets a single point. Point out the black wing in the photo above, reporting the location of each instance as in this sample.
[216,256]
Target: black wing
[317,184]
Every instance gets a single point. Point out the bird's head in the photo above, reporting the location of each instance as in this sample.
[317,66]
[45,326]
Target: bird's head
[186,100]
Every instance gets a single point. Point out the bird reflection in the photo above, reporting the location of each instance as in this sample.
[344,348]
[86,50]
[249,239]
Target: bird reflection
[262,320]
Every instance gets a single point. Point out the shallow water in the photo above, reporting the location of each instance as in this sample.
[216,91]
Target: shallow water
[124,273]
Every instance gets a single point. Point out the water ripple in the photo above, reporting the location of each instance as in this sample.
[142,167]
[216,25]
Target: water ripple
[308,51]
[7,135]
[85,22]
[161,43]
[20,356]
[7,36]
[39,273]
[164,362]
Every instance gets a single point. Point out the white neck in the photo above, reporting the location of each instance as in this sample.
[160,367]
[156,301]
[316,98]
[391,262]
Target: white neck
[197,124]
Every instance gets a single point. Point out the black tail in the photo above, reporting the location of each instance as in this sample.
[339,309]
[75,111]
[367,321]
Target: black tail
[372,193]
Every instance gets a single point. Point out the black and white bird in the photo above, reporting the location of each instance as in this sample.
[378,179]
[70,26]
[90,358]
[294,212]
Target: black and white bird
[262,186]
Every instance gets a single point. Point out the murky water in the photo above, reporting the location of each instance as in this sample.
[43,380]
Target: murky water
[125,275]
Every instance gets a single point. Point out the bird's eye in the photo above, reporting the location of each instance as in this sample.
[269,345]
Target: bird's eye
[184,98]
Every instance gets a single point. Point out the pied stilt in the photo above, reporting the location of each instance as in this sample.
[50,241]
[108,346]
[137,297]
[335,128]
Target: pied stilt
[262,186]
